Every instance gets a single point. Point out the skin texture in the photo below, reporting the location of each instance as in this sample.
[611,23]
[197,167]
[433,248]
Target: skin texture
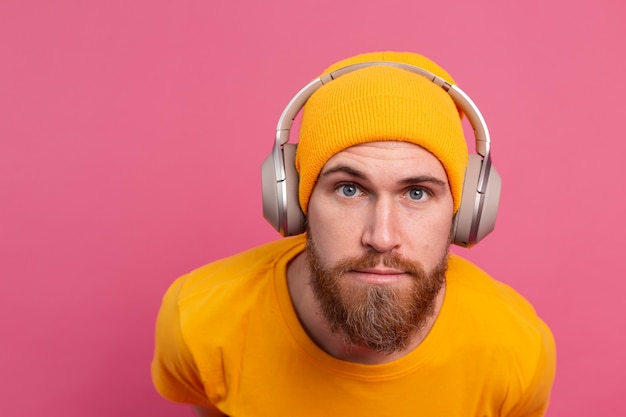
[386,198]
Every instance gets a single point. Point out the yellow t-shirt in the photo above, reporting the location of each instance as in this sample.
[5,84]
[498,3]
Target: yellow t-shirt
[227,336]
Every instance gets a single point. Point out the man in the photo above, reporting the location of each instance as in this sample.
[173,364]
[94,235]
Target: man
[365,314]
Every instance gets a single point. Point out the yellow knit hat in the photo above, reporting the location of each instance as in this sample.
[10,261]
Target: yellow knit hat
[381,103]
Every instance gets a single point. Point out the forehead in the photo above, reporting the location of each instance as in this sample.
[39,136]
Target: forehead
[387,157]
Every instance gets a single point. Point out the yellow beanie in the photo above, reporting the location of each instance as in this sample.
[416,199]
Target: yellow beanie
[381,103]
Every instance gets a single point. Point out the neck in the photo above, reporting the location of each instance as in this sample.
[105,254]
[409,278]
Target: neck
[317,328]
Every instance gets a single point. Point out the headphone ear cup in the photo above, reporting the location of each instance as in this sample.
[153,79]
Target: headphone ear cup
[270,186]
[477,213]
[281,207]
[491,201]
[465,214]
[295,217]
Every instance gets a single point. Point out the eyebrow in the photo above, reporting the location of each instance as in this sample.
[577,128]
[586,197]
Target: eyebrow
[345,169]
[406,181]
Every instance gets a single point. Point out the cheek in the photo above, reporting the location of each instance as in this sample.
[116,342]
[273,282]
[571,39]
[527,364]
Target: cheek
[333,232]
[442,237]
[440,243]
[328,226]
[426,238]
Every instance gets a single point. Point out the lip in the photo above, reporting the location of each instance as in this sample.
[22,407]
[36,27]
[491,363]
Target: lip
[378,276]
[379,271]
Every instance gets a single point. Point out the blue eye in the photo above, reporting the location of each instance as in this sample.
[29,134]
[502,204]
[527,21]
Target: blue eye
[416,194]
[348,190]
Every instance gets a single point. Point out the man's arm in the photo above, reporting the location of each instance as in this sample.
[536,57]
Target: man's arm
[207,412]
[175,373]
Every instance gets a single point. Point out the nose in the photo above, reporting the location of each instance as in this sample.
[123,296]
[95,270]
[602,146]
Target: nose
[382,226]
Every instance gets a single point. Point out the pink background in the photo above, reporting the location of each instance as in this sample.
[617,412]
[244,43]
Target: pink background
[132,132]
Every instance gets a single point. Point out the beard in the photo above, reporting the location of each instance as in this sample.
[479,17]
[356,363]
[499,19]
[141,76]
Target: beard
[382,318]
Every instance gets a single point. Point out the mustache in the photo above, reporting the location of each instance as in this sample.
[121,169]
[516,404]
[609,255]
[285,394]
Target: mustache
[372,259]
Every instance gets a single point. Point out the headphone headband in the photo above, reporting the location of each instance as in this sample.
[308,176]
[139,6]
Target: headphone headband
[486,176]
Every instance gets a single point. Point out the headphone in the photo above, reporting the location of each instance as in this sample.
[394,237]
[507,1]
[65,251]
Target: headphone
[476,216]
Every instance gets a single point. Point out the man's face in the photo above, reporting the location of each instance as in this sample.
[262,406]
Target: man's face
[379,221]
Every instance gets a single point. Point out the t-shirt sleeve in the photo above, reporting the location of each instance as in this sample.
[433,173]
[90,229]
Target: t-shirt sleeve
[174,372]
[536,397]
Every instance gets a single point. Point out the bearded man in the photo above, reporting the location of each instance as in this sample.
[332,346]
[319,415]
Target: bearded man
[365,313]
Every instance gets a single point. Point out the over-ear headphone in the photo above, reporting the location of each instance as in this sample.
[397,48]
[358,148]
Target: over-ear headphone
[476,216]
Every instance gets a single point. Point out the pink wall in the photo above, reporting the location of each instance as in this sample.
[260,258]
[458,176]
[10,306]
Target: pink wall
[131,135]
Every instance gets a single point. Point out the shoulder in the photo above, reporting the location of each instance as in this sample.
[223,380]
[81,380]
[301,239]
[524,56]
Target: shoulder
[201,298]
[218,295]
[210,311]
[495,319]
[242,269]
[495,316]
[484,295]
